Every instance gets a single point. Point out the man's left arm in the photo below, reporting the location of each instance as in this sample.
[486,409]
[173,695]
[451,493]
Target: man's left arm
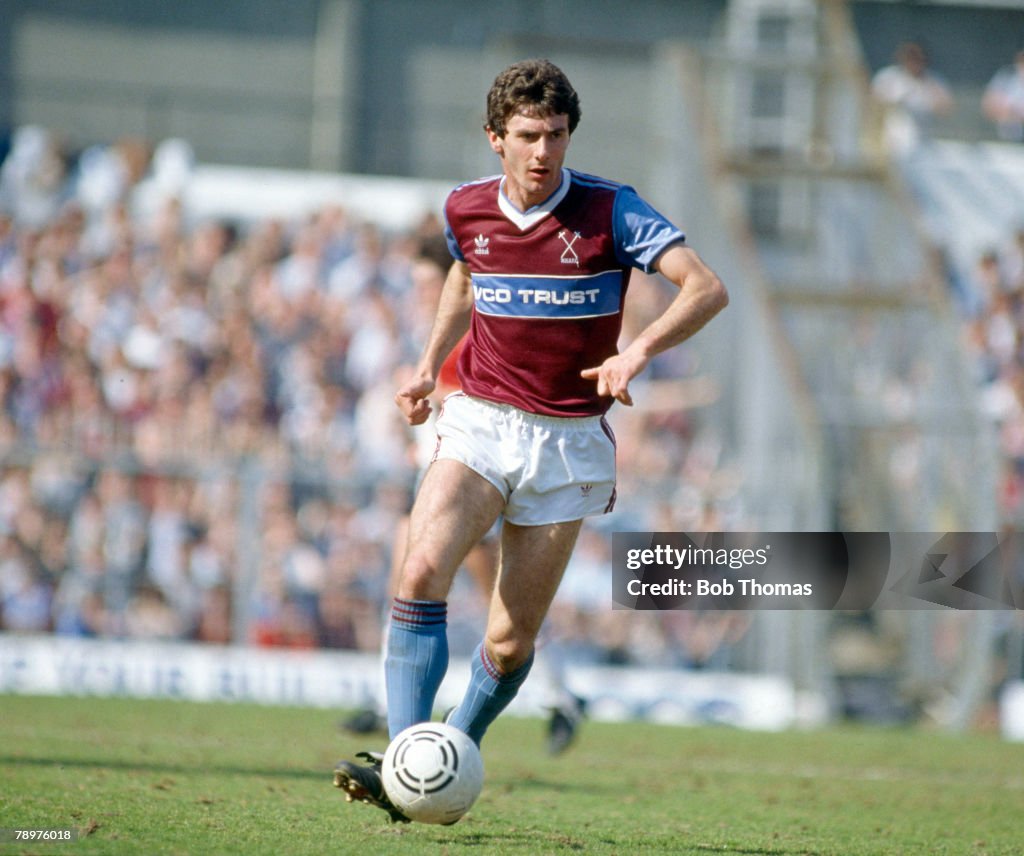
[701,296]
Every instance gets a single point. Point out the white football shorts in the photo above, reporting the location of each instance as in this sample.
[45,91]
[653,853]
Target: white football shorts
[549,469]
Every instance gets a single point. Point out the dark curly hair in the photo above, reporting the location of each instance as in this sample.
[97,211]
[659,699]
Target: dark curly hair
[536,87]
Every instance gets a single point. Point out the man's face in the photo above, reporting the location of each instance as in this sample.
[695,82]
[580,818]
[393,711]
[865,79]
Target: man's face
[531,153]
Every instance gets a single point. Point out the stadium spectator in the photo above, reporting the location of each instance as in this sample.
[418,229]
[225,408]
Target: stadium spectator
[994,338]
[912,96]
[33,176]
[1011,261]
[214,622]
[150,616]
[1003,100]
[24,594]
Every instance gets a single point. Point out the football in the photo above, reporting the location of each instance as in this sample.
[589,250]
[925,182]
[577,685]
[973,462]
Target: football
[433,772]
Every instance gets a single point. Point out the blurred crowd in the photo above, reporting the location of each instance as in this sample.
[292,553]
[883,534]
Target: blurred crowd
[995,340]
[198,438]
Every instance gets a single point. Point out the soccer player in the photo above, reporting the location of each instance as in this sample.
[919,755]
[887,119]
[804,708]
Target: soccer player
[566,709]
[542,262]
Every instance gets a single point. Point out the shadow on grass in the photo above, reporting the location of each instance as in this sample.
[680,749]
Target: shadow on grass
[161,767]
[753,851]
[499,842]
[525,783]
[535,783]
[508,841]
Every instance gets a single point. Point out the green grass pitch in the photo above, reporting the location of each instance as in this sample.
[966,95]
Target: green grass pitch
[159,777]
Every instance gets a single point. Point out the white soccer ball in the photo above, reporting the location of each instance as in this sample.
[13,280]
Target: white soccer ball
[433,772]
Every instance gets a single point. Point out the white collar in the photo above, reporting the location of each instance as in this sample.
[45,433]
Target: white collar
[532,216]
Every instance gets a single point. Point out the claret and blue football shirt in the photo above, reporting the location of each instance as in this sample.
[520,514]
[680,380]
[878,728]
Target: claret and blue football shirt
[549,285]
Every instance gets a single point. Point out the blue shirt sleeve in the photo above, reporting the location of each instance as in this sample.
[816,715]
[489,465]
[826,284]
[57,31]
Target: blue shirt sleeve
[453,245]
[641,234]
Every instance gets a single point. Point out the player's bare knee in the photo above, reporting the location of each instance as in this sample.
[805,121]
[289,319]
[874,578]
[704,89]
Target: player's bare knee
[420,580]
[508,655]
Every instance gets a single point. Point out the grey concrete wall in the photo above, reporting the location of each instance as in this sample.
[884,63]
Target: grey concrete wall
[248,81]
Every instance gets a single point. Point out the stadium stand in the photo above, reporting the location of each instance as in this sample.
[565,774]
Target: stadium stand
[198,435]
[973,198]
[970,195]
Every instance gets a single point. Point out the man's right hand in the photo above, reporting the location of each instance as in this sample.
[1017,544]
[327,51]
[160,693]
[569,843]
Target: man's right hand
[412,399]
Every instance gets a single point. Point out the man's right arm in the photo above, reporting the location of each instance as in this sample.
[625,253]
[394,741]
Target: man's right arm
[450,325]
[994,101]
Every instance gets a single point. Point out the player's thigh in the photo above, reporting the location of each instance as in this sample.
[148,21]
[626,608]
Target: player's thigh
[533,560]
[453,510]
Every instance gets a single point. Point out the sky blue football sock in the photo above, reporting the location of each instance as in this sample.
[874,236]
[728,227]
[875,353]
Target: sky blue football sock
[488,694]
[416,662]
